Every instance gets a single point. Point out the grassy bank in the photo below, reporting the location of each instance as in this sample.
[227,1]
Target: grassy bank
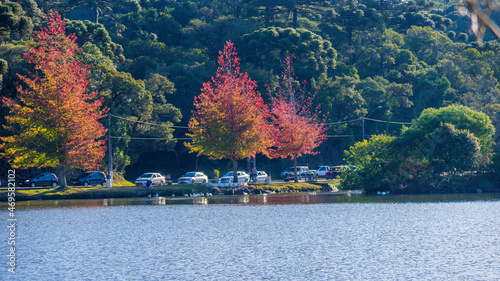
[100,192]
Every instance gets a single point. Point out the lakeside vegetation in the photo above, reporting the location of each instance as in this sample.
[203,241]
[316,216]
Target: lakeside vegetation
[390,60]
[440,152]
[128,191]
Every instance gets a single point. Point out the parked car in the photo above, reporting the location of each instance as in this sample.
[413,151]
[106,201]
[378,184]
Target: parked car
[288,169]
[90,178]
[261,176]
[155,178]
[192,178]
[337,171]
[334,172]
[303,173]
[228,177]
[45,179]
[321,171]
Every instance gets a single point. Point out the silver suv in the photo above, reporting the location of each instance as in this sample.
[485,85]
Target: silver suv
[303,173]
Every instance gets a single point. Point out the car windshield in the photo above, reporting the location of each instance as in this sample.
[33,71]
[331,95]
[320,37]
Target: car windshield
[83,175]
[146,175]
[229,174]
[189,175]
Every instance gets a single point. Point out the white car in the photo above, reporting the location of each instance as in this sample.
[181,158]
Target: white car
[192,178]
[155,178]
[322,170]
[261,176]
[228,177]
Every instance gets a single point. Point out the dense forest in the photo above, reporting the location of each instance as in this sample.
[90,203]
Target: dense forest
[385,60]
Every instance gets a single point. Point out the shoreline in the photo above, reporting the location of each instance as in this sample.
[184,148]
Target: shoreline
[99,192]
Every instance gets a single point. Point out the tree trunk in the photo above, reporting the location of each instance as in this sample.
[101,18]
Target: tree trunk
[349,34]
[267,16]
[177,158]
[233,9]
[62,178]
[496,138]
[296,177]
[295,24]
[235,170]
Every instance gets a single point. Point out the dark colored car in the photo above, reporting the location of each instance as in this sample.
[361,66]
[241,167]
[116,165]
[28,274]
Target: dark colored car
[90,178]
[333,173]
[45,179]
[337,171]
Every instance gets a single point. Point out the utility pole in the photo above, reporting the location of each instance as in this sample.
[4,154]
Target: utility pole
[110,150]
[364,117]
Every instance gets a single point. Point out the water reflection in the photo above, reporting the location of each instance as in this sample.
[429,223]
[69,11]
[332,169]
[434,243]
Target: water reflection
[273,199]
[200,200]
[260,237]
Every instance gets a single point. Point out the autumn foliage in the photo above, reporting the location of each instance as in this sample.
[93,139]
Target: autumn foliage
[230,119]
[55,121]
[298,129]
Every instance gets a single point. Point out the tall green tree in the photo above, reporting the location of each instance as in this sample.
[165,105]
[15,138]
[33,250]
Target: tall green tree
[96,34]
[282,10]
[212,35]
[15,22]
[429,45]
[100,7]
[149,104]
[266,48]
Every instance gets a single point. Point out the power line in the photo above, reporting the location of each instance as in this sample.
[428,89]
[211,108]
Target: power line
[332,123]
[186,127]
[390,122]
[139,138]
[376,120]
[188,139]
[343,122]
[339,136]
[149,123]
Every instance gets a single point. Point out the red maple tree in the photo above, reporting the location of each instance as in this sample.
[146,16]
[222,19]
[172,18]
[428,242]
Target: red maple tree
[55,121]
[230,120]
[298,129]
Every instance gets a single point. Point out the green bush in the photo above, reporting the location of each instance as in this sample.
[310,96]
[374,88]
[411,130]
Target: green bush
[369,161]
[434,154]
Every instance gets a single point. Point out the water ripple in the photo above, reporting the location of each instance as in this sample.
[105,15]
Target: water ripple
[369,241]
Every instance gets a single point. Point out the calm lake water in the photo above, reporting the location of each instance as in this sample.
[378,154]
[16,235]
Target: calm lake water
[258,237]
